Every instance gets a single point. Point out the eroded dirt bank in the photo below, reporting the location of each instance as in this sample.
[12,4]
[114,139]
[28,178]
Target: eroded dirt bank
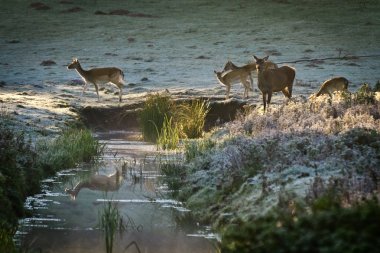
[126,117]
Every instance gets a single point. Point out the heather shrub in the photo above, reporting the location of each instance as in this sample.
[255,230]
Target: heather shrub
[328,228]
[318,115]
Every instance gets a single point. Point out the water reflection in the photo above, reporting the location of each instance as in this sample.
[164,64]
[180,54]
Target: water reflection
[127,175]
[98,182]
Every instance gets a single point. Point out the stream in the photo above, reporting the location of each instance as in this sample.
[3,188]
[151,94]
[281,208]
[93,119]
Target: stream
[65,216]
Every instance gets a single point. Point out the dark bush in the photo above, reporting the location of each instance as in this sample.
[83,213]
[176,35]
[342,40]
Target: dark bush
[328,228]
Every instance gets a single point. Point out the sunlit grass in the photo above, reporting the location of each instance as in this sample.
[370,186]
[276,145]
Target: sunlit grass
[163,121]
[152,117]
[169,136]
[192,117]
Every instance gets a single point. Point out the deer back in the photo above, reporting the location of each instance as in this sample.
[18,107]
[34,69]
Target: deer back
[332,85]
[276,79]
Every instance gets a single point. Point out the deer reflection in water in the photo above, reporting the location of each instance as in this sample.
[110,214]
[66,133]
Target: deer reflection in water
[113,182]
[98,182]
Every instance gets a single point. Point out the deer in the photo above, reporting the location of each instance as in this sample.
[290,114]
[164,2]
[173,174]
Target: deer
[235,76]
[274,80]
[251,66]
[241,74]
[99,76]
[97,182]
[331,85]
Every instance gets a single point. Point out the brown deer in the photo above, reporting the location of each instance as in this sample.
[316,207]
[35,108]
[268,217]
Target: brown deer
[98,182]
[274,80]
[99,76]
[330,86]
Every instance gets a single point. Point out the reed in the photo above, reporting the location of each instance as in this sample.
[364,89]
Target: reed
[110,221]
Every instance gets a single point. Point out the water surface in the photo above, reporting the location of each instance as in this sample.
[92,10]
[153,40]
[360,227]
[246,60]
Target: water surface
[153,220]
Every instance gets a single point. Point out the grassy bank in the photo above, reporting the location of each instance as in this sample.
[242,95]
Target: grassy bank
[243,177]
[23,164]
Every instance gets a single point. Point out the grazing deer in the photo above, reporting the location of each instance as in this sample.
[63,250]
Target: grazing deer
[98,182]
[332,85]
[99,76]
[274,80]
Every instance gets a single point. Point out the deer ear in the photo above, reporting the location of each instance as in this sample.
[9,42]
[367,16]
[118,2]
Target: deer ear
[215,71]
[266,58]
[255,57]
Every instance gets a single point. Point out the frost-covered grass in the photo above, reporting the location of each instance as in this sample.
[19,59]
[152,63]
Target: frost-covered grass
[302,149]
[321,115]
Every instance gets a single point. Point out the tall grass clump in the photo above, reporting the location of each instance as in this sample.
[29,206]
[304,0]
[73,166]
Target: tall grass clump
[152,117]
[169,136]
[165,122]
[192,118]
[71,147]
[110,221]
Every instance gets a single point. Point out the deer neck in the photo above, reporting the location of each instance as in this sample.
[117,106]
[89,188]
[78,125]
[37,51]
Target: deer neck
[220,78]
[81,71]
[260,79]
[260,74]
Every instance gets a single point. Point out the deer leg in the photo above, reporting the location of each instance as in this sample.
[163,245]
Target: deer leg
[228,91]
[290,90]
[97,90]
[246,85]
[264,100]
[251,81]
[286,93]
[84,88]
[269,97]
[120,94]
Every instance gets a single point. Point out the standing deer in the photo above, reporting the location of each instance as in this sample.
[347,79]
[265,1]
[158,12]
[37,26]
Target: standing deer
[235,76]
[99,76]
[274,80]
[332,85]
